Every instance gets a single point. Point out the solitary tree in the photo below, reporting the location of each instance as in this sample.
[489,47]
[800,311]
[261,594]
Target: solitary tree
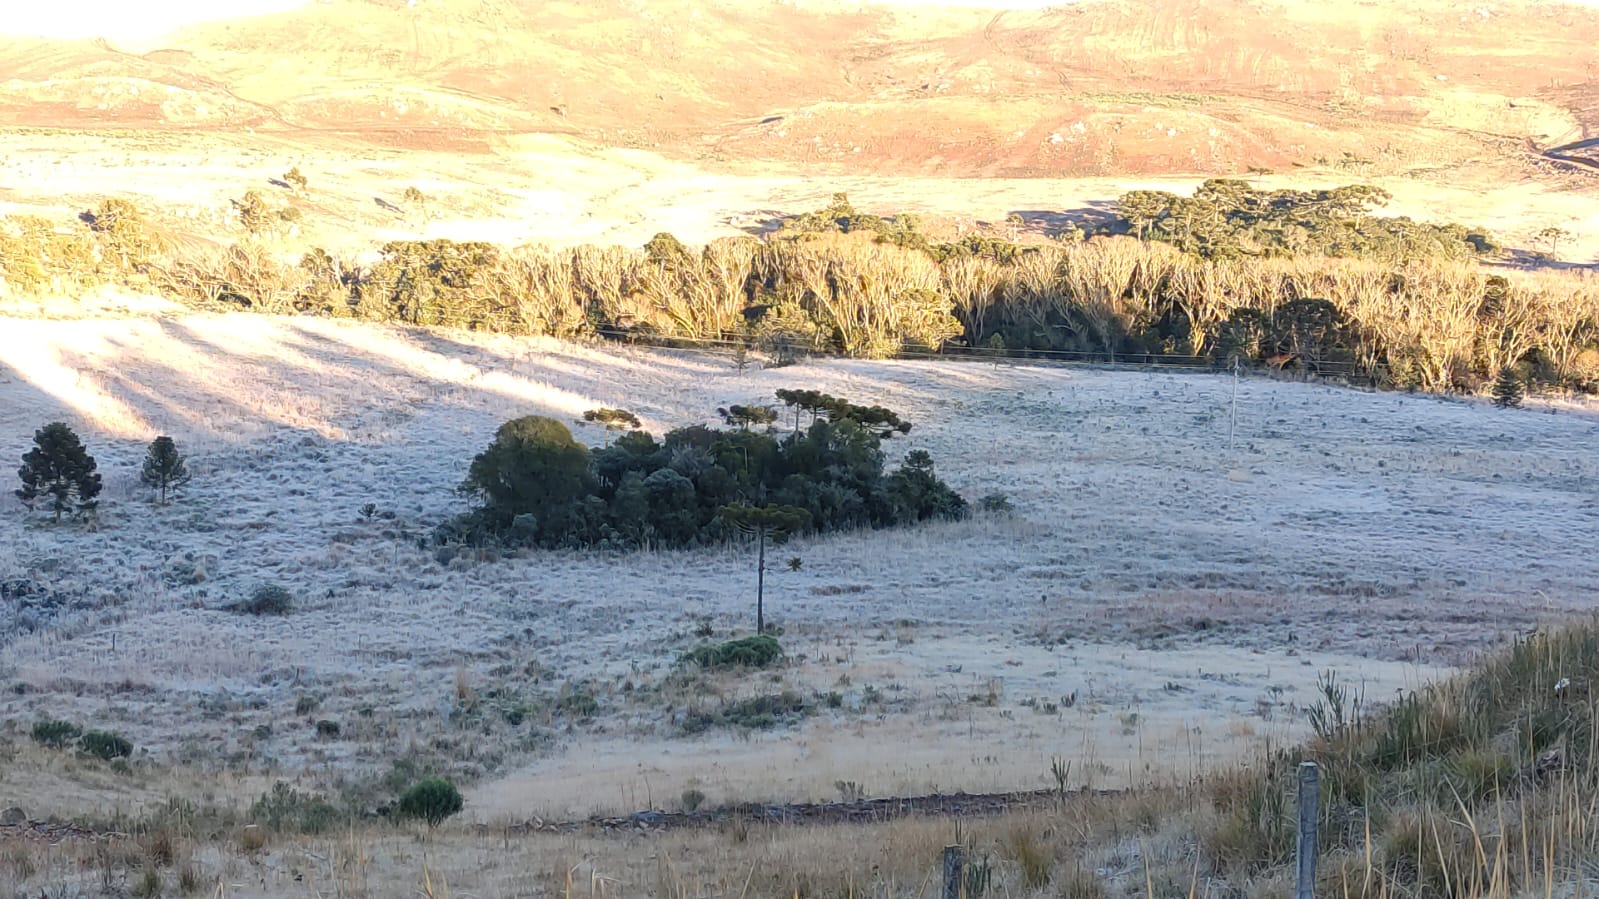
[1551,237]
[164,467]
[779,521]
[1508,391]
[58,467]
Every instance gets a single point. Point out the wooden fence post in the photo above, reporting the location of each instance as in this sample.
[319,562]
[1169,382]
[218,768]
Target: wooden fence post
[953,881]
[1309,811]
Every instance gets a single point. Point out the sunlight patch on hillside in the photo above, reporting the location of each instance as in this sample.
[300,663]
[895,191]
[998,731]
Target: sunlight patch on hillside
[114,20]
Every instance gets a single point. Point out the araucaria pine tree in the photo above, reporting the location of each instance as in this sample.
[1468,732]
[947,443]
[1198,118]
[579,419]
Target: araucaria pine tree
[1508,391]
[163,467]
[59,470]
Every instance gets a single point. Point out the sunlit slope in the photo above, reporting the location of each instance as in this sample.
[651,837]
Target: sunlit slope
[1197,86]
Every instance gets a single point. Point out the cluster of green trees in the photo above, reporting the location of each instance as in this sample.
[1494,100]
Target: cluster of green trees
[1230,274]
[1229,219]
[537,485]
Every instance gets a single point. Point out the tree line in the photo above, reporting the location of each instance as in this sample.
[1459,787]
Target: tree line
[1230,274]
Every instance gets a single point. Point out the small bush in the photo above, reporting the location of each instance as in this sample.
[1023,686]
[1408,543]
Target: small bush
[105,745]
[996,504]
[55,734]
[431,800]
[577,701]
[746,652]
[762,712]
[266,599]
[286,810]
[253,838]
[327,729]
[305,705]
[692,799]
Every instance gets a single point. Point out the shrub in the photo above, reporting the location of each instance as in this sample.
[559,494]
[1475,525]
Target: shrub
[55,734]
[266,599]
[254,213]
[327,729]
[37,255]
[126,235]
[577,700]
[164,468]
[105,745]
[762,712]
[286,810]
[431,800]
[996,504]
[746,652]
[60,469]
[692,800]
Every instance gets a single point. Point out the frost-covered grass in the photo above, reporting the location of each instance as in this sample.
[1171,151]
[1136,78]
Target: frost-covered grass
[1156,602]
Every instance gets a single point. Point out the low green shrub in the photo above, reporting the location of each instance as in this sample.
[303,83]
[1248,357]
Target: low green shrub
[431,800]
[105,745]
[266,599]
[286,810]
[745,652]
[762,712]
[55,734]
[996,504]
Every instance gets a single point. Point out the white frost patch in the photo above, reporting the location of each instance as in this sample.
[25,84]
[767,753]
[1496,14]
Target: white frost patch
[1167,582]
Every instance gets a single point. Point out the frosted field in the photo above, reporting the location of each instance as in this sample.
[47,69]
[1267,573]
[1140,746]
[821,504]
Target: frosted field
[1187,597]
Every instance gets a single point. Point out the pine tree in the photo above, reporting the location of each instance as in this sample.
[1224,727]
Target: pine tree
[164,467]
[60,468]
[1508,391]
[778,521]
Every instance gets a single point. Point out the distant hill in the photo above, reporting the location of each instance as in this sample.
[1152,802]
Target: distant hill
[1196,86]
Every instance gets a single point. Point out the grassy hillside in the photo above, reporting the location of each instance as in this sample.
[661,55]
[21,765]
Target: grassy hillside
[1210,86]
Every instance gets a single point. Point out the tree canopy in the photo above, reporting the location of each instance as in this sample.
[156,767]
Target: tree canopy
[537,485]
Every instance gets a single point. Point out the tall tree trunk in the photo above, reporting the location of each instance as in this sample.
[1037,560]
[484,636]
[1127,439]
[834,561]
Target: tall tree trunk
[760,584]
